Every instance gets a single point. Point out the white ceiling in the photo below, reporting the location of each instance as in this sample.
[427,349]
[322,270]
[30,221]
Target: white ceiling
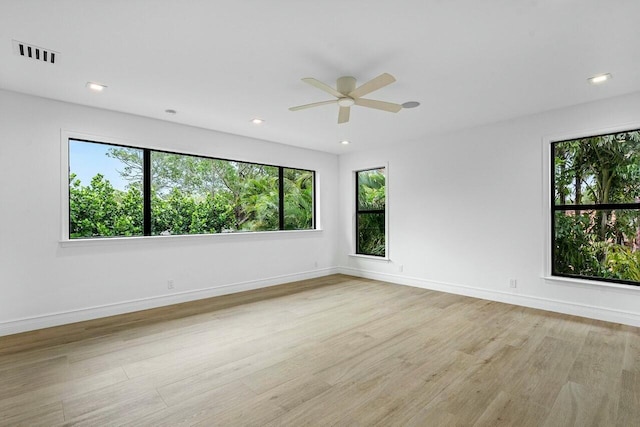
[222,63]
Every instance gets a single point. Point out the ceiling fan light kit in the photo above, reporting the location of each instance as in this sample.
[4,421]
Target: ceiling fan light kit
[348,95]
[346,102]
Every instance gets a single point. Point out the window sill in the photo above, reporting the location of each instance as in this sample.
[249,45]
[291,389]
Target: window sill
[100,241]
[372,257]
[592,283]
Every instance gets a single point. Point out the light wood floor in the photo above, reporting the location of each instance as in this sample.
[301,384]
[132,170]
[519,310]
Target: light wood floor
[331,351]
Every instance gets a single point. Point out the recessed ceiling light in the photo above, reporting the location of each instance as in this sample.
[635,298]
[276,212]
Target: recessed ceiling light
[600,78]
[345,142]
[410,104]
[170,111]
[257,121]
[96,87]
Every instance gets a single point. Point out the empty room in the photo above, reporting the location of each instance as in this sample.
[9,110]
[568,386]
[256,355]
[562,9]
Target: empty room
[290,213]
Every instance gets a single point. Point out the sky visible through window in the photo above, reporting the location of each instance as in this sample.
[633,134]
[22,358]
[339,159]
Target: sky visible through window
[86,160]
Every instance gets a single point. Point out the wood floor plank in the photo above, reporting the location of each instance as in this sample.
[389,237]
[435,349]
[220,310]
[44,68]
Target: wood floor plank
[200,407]
[629,401]
[420,385]
[35,375]
[333,406]
[507,410]
[599,363]
[579,405]
[113,397]
[119,411]
[45,415]
[413,382]
[632,352]
[27,402]
[211,379]
[336,350]
[360,365]
[256,413]
[545,372]
[469,395]
[295,392]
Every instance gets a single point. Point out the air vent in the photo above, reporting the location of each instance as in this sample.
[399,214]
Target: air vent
[37,53]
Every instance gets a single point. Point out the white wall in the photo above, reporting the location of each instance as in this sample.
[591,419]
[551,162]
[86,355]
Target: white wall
[466,215]
[43,283]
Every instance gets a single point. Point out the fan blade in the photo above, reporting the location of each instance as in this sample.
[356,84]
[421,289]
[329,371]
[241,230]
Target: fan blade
[379,82]
[378,105]
[322,86]
[315,104]
[343,115]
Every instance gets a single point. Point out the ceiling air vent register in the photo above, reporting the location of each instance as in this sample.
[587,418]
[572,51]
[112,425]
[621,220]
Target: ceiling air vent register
[37,53]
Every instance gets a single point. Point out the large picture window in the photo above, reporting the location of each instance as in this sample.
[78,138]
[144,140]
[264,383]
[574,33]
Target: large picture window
[370,212]
[596,207]
[119,191]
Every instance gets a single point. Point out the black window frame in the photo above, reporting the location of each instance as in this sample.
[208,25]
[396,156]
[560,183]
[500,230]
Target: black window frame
[581,207]
[360,212]
[146,193]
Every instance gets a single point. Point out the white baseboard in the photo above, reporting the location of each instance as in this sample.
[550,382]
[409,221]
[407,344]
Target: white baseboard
[582,310]
[73,316]
[62,318]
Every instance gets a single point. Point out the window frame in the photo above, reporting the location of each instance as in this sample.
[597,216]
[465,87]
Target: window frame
[67,136]
[550,208]
[357,212]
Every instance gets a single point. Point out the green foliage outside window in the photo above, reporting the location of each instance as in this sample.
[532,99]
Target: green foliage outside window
[298,199]
[596,212]
[370,212]
[100,210]
[189,195]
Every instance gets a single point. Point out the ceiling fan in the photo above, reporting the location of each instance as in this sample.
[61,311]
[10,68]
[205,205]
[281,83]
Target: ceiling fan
[347,95]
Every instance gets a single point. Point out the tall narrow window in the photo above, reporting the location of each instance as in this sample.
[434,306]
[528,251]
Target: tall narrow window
[298,199]
[255,189]
[370,212]
[101,202]
[596,207]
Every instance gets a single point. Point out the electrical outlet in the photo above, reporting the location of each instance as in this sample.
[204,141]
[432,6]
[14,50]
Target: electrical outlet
[401,268]
[315,264]
[169,284]
[513,283]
